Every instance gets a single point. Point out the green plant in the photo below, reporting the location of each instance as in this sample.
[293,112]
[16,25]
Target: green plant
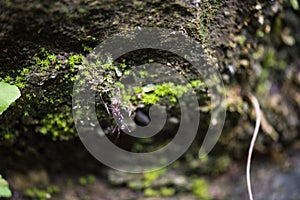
[151,94]
[149,192]
[200,189]
[147,185]
[4,188]
[84,181]
[205,13]
[8,95]
[167,191]
[74,61]
[149,177]
[42,194]
[58,124]
[294,4]
[164,191]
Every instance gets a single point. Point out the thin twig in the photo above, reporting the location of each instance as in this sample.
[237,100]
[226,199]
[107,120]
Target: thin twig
[255,104]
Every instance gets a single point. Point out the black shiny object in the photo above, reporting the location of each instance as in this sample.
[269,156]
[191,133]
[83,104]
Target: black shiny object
[141,118]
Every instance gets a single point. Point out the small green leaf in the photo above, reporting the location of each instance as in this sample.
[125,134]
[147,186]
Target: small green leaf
[8,94]
[4,189]
[295,4]
[5,192]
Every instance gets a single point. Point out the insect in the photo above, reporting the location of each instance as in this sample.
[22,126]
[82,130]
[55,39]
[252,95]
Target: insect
[121,114]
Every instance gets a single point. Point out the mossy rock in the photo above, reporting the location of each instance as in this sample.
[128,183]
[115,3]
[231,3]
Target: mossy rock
[43,44]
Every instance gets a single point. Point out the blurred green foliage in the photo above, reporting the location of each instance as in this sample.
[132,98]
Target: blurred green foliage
[4,188]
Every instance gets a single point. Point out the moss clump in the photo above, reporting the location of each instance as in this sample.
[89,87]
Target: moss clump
[146,183]
[152,94]
[86,180]
[74,61]
[45,65]
[48,63]
[167,191]
[19,80]
[149,177]
[149,192]
[58,125]
[200,189]
[164,192]
[42,194]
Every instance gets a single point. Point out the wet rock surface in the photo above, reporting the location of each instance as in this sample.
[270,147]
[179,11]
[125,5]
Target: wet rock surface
[270,180]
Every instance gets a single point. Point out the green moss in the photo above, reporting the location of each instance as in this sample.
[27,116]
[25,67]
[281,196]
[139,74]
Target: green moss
[58,125]
[164,191]
[204,17]
[143,74]
[149,192]
[150,98]
[146,181]
[271,61]
[86,48]
[200,189]
[271,64]
[197,84]
[74,61]
[20,82]
[42,194]
[151,94]
[149,177]
[8,79]
[86,180]
[167,191]
[46,61]
[221,165]
[45,64]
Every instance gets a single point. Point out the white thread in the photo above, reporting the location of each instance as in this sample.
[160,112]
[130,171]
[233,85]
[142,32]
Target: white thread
[255,104]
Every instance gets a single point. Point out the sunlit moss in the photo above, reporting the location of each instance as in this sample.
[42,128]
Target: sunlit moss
[149,177]
[200,189]
[164,192]
[151,192]
[74,61]
[151,94]
[167,191]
